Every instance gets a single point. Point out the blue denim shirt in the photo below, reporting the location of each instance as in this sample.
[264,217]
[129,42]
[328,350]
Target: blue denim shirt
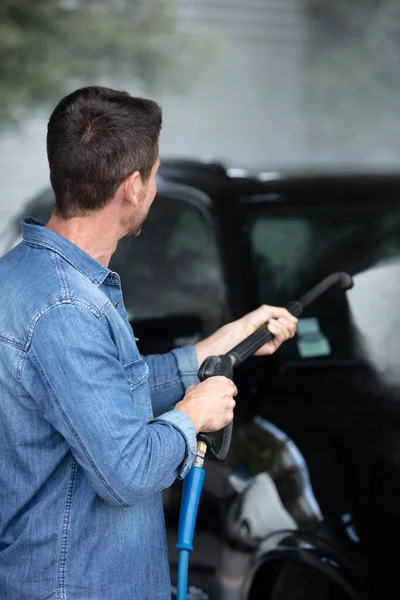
[82,459]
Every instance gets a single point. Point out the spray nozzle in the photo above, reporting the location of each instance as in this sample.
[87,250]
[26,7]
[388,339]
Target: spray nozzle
[341,280]
[345,281]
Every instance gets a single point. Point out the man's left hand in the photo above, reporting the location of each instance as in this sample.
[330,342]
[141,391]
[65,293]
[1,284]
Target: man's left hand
[278,320]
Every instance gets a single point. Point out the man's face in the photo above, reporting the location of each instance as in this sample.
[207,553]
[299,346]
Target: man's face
[146,196]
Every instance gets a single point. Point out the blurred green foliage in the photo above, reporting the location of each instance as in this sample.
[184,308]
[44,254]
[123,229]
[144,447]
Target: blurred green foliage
[354,75]
[50,47]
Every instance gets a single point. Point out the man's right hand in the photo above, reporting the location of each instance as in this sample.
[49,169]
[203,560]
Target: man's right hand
[209,404]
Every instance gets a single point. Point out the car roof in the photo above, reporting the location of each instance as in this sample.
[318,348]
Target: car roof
[219,182]
[315,185]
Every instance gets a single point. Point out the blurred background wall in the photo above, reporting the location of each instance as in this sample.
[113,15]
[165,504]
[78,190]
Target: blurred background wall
[272,84]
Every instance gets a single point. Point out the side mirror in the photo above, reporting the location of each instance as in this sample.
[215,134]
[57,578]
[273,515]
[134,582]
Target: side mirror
[162,334]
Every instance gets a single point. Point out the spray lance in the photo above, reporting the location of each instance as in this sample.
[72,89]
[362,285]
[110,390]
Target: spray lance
[206,442]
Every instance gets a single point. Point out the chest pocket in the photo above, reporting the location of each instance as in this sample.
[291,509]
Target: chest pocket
[137,374]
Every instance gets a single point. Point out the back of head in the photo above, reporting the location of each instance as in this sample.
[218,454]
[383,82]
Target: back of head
[96,138]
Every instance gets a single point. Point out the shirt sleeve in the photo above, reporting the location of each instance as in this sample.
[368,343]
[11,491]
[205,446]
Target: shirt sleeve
[86,395]
[170,375]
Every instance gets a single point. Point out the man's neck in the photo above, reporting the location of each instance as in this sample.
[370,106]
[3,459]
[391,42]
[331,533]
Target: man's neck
[94,234]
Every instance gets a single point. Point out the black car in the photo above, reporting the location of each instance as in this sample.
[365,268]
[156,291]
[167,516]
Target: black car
[305,507]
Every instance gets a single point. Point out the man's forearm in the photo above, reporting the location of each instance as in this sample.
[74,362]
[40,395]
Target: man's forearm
[220,342]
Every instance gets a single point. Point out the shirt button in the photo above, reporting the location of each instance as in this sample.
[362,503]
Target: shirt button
[111,277]
[116,305]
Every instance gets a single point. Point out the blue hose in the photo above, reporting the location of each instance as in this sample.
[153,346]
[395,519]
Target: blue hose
[183,571]
[192,487]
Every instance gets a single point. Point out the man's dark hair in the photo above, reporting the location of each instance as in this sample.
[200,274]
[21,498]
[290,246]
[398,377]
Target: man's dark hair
[96,138]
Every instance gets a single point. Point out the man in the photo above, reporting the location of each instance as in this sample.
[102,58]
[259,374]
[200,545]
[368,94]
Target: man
[82,459]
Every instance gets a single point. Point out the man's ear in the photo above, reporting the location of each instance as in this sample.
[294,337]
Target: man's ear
[132,187]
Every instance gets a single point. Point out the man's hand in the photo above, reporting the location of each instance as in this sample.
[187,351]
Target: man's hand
[209,404]
[278,320]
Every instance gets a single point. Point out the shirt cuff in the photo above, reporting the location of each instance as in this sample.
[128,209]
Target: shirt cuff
[184,425]
[188,365]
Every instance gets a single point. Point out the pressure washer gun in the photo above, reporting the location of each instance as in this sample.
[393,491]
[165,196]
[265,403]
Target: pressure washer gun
[207,442]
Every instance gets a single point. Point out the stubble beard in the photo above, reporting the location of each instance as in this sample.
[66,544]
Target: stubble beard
[135,232]
[135,227]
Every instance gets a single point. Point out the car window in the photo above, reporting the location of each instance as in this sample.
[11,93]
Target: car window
[172,267]
[294,246]
[270,243]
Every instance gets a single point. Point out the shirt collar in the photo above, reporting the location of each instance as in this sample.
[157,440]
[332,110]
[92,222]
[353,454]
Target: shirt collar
[35,233]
